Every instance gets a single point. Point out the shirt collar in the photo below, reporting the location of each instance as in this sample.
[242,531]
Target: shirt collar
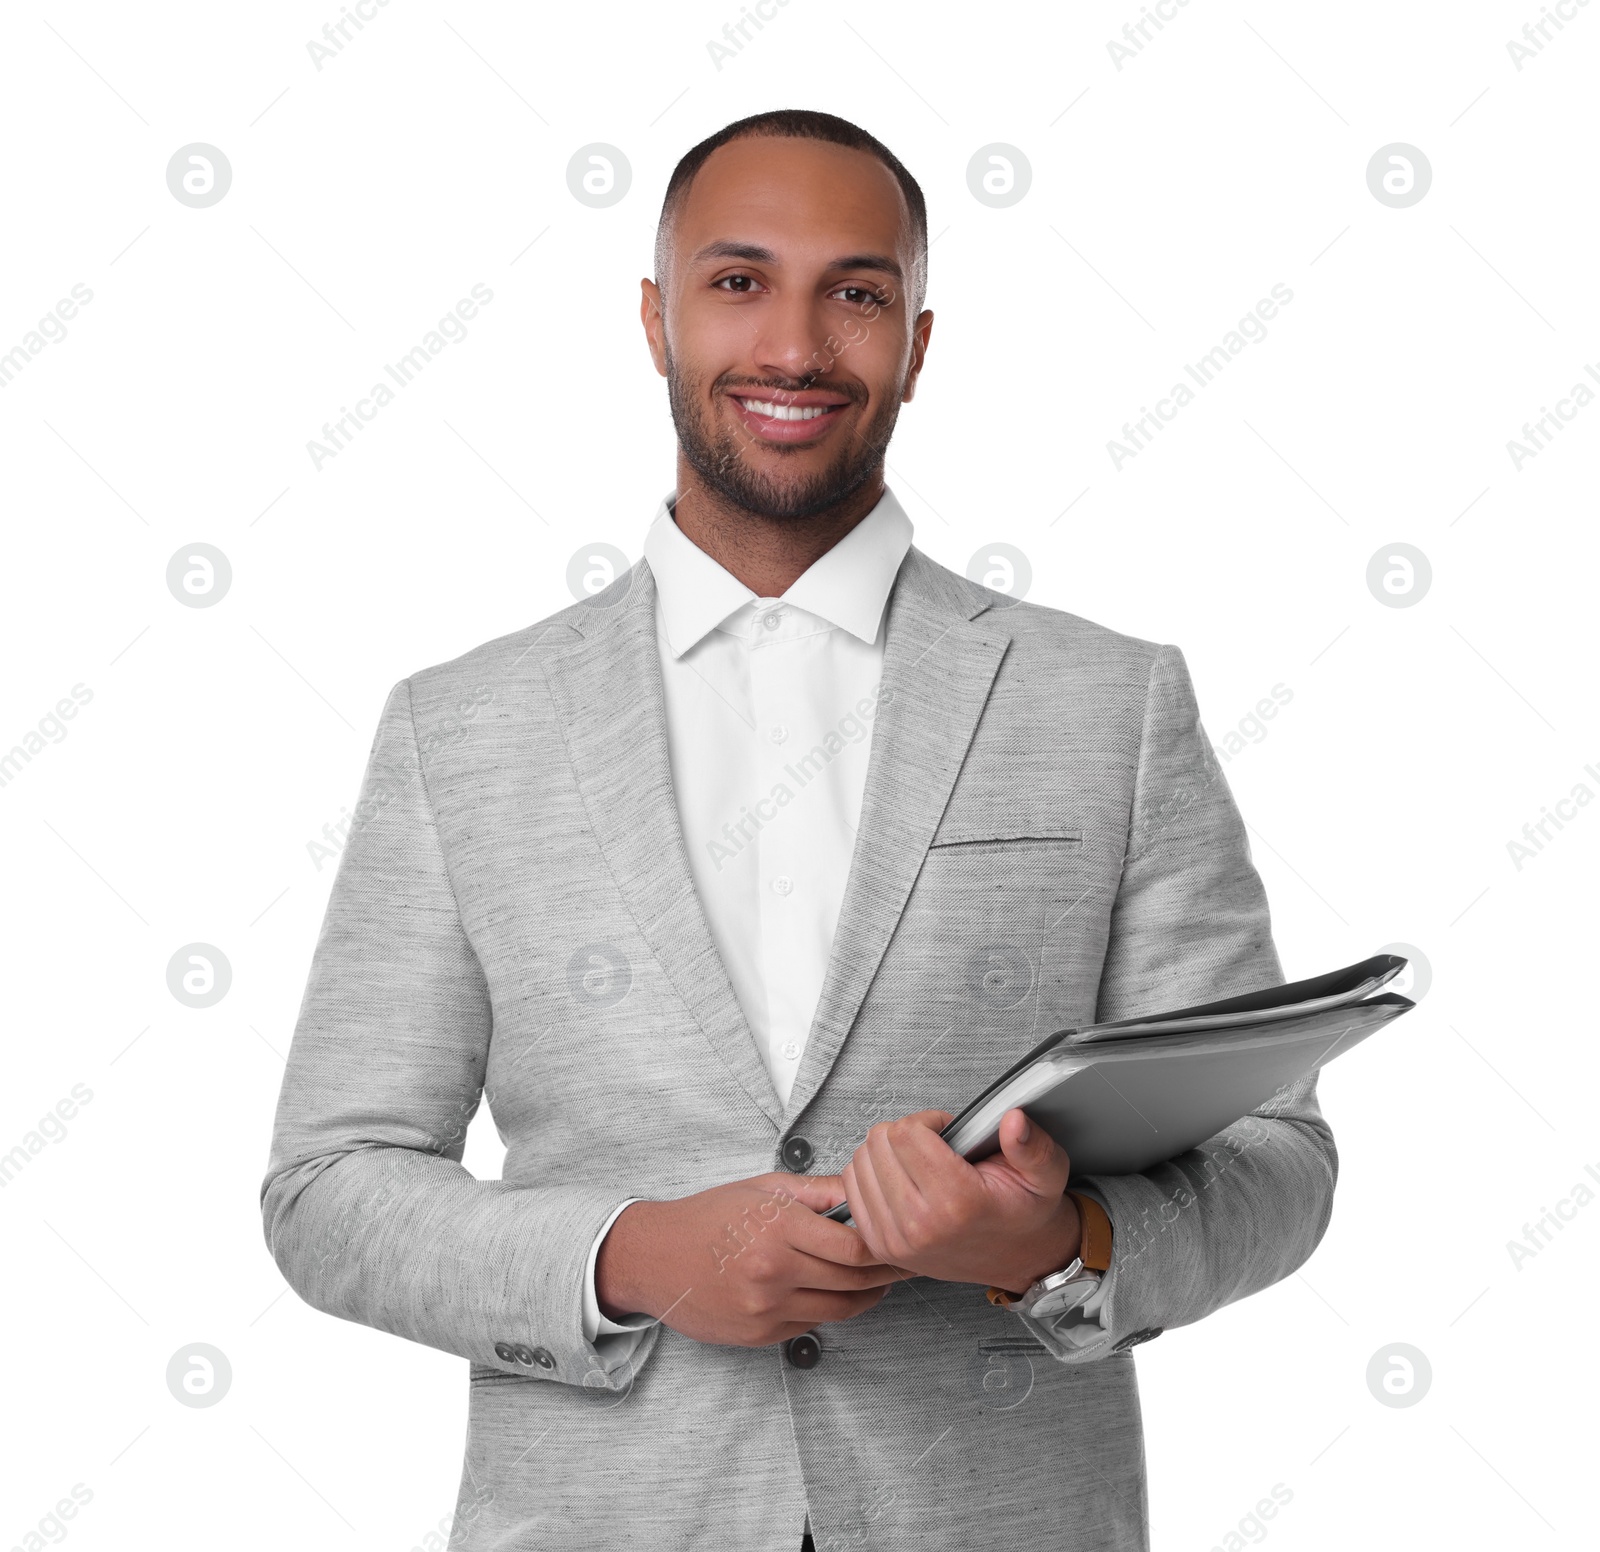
[848,586]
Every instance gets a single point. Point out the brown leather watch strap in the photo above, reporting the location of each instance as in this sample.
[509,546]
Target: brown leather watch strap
[1095,1249]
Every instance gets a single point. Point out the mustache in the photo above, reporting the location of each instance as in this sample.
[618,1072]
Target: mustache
[854,392]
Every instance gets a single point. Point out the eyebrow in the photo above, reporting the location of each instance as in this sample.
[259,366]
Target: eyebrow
[754,253]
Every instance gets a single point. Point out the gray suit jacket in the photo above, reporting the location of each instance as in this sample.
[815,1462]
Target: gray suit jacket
[1046,839]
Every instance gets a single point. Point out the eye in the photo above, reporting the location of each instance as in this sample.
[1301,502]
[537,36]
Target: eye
[861,296]
[736,285]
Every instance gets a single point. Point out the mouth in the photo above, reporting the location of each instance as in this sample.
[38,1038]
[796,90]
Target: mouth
[788,417]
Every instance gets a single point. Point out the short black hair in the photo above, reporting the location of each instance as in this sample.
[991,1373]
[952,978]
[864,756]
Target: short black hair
[798,124]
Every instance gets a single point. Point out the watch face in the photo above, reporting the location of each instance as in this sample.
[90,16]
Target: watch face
[1064,1296]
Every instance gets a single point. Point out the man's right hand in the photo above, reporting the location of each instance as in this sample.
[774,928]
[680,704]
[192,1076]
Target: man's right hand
[745,1264]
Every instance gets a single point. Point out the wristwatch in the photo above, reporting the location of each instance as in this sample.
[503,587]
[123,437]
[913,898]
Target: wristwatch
[1073,1284]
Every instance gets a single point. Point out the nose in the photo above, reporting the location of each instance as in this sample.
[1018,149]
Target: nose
[792,338]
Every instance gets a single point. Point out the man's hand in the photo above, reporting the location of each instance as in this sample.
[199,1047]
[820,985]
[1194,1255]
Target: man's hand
[745,1264]
[1005,1220]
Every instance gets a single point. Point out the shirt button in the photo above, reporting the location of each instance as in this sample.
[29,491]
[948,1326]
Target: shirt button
[783,884]
[779,734]
[804,1352]
[791,1050]
[771,620]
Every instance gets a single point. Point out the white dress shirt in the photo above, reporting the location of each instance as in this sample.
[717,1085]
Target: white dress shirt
[770,705]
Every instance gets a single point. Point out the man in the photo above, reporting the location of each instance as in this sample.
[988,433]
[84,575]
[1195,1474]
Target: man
[723,887]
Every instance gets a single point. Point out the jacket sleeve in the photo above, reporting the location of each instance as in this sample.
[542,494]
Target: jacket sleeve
[1190,925]
[366,1206]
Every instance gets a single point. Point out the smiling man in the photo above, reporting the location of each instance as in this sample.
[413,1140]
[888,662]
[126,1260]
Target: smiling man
[720,887]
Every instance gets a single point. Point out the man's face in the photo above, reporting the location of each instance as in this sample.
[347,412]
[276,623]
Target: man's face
[785,331]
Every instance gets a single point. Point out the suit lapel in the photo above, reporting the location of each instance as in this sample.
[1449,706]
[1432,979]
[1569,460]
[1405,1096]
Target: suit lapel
[939,663]
[608,694]
[938,666]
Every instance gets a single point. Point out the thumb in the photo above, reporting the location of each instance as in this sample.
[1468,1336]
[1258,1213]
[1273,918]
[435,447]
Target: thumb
[1031,1150]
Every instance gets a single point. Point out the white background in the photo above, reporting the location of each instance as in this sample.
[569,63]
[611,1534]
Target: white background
[1167,198]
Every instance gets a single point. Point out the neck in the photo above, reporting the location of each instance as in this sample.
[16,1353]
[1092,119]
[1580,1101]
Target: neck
[767,554]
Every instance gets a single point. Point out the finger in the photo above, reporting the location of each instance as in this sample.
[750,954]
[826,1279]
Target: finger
[1034,1153]
[870,1206]
[816,1273]
[934,1120]
[807,1311]
[906,1162]
[841,1243]
[817,1193]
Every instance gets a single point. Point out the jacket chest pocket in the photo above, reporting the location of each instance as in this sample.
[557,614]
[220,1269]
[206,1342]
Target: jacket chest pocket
[1010,926]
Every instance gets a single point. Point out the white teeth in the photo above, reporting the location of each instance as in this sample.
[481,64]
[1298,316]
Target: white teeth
[784,411]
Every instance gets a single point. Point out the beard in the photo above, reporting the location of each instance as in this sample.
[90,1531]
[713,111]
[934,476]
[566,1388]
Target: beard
[715,451]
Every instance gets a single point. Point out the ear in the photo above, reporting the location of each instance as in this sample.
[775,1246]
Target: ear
[655,327]
[920,331]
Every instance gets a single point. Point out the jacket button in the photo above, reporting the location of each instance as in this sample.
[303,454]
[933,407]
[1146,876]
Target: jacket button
[505,1352]
[804,1352]
[1148,1335]
[543,1358]
[797,1154]
[523,1355]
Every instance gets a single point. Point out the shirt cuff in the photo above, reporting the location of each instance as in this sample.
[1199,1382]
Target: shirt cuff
[594,1323]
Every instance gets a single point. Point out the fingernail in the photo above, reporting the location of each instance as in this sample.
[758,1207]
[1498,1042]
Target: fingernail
[1026,1132]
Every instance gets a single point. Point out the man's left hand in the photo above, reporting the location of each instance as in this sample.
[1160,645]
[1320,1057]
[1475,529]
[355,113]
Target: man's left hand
[1004,1221]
